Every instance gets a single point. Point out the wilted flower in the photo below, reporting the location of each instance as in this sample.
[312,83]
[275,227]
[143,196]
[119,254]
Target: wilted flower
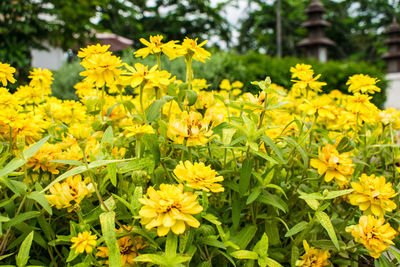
[374,234]
[169,209]
[43,158]
[128,249]
[69,194]
[84,242]
[199,176]
[313,257]
[372,194]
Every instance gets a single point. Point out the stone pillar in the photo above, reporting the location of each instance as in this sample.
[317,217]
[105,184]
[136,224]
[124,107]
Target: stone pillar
[316,44]
[392,58]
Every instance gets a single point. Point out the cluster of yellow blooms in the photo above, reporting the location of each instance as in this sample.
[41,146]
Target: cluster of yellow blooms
[30,112]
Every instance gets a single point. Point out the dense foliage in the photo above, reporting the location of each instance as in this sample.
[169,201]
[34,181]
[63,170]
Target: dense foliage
[148,169]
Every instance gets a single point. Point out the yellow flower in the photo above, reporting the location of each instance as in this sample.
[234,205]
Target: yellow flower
[199,176]
[372,194]
[306,79]
[42,159]
[190,127]
[169,209]
[198,84]
[139,74]
[301,71]
[359,103]
[333,165]
[313,257]
[237,85]
[28,95]
[190,49]
[41,78]
[155,46]
[363,83]
[91,50]
[225,85]
[374,234]
[138,129]
[127,248]
[390,116]
[8,100]
[101,69]
[255,100]
[6,73]
[69,194]
[84,242]
[80,131]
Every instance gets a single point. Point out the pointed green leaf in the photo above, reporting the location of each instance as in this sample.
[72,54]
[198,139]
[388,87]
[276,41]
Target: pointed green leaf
[107,221]
[324,220]
[23,253]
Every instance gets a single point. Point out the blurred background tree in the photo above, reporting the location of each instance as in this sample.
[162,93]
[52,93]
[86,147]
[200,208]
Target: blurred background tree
[175,19]
[357,27]
[27,24]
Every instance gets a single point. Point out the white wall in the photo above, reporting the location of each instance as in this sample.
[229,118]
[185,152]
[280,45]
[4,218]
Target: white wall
[393,91]
[51,59]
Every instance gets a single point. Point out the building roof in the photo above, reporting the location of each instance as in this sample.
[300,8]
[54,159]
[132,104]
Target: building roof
[115,41]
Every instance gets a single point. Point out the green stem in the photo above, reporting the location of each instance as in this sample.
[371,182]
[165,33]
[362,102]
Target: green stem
[141,101]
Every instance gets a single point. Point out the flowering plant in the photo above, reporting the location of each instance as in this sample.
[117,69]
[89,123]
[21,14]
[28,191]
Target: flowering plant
[146,169]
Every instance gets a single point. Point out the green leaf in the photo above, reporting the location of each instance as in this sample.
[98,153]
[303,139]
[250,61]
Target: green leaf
[267,140]
[272,263]
[297,228]
[211,242]
[108,137]
[227,134]
[107,221]
[191,97]
[23,253]
[253,195]
[21,218]
[81,169]
[324,220]
[245,175]
[30,151]
[294,255]
[6,256]
[17,187]
[211,218]
[151,141]
[236,209]
[303,154]
[41,199]
[12,166]
[273,200]
[335,194]
[262,246]
[112,173]
[245,255]
[244,237]
[153,258]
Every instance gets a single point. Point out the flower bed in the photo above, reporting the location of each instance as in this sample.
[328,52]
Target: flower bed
[148,169]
